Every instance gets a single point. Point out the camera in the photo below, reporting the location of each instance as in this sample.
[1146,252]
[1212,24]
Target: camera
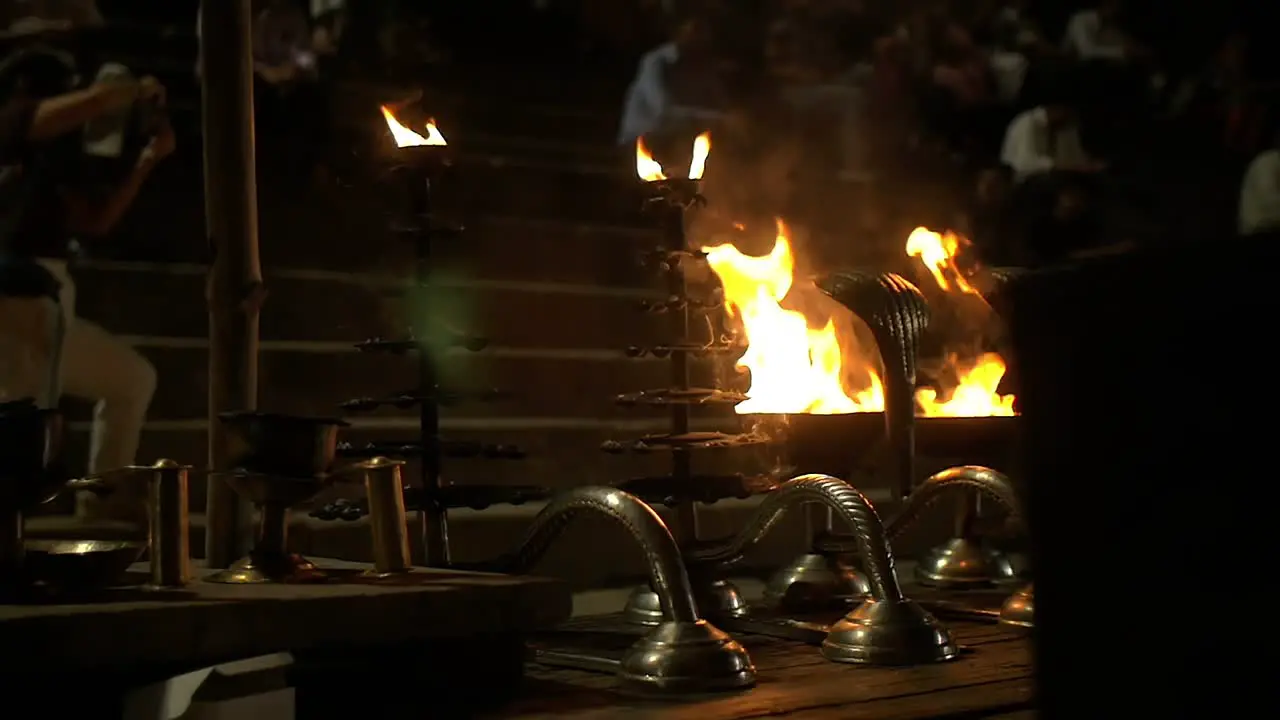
[109,146]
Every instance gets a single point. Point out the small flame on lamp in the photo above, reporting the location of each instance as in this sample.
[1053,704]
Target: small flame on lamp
[701,148]
[650,170]
[405,137]
[646,167]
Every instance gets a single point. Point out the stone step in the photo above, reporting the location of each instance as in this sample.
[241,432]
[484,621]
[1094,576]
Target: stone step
[562,452]
[346,229]
[142,299]
[313,379]
[167,216]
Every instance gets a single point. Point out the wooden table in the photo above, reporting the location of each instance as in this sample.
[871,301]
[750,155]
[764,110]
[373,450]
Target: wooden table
[993,679]
[130,637]
[207,623]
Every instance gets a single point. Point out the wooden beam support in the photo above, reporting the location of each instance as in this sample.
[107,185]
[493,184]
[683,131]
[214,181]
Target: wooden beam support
[235,286]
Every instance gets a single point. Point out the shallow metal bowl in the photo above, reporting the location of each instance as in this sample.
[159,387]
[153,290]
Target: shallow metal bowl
[80,564]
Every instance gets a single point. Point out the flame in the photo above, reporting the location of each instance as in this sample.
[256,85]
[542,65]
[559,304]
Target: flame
[646,167]
[975,394]
[405,137]
[701,149]
[794,368]
[650,170]
[938,253]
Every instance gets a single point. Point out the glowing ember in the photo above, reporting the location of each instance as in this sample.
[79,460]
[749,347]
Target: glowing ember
[975,394]
[650,170]
[794,368]
[405,137]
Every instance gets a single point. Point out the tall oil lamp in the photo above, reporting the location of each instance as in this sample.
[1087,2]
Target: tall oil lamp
[418,161]
[672,201]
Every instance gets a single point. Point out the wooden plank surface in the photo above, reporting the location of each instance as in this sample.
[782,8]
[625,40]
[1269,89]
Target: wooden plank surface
[993,676]
[207,623]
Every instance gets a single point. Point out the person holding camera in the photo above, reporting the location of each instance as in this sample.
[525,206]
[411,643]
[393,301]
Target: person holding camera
[44,206]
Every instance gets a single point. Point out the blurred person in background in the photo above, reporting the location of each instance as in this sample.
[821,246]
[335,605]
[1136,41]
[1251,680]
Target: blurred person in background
[677,92]
[968,113]
[291,104]
[809,75]
[1259,209]
[71,13]
[45,205]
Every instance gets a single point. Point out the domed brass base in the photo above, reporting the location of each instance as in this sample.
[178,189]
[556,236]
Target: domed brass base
[889,633]
[260,567]
[814,582]
[964,563]
[686,658]
[716,598]
[1019,609]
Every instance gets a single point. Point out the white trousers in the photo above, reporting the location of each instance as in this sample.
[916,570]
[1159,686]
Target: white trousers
[96,366]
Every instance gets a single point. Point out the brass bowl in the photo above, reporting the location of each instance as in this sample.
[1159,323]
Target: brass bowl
[292,446]
[79,564]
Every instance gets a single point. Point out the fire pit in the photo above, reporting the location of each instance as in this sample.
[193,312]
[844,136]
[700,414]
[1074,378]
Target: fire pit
[835,444]
[419,161]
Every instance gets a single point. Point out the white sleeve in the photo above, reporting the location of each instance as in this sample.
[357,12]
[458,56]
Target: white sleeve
[1083,39]
[651,86]
[1260,196]
[1021,151]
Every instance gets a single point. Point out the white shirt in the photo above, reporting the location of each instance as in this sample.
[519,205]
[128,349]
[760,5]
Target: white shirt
[1009,70]
[650,101]
[1031,147]
[1260,195]
[647,98]
[1089,39]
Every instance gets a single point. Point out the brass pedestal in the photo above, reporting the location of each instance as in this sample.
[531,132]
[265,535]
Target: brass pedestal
[270,561]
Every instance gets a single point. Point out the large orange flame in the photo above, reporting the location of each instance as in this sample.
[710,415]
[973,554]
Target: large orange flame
[794,368]
[976,393]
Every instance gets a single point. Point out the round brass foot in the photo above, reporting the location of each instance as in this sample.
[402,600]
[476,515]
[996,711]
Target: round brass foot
[1019,609]
[889,633]
[964,563]
[686,658]
[257,568]
[716,598]
[643,607]
[815,582]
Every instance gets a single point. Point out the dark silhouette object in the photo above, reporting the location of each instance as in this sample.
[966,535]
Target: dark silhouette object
[1142,500]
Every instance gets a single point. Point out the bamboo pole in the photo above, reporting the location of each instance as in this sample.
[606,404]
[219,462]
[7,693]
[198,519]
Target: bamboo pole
[234,290]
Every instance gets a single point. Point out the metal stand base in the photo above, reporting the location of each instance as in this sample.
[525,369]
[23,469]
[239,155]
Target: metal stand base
[814,582]
[964,563]
[881,632]
[682,658]
[1019,609]
[269,567]
[716,599]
